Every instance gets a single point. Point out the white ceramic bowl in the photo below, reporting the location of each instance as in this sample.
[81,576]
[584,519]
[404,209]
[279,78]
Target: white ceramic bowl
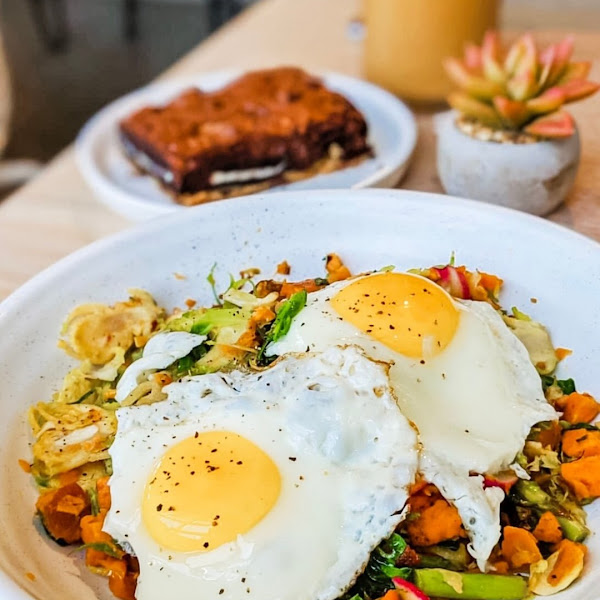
[114,181]
[367,228]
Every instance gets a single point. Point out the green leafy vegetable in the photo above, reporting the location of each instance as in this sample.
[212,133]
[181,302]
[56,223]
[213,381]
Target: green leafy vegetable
[203,322]
[282,323]
[520,315]
[287,312]
[101,547]
[547,381]
[387,269]
[84,397]
[585,426]
[93,495]
[184,365]
[376,578]
[445,556]
[569,515]
[566,385]
[213,284]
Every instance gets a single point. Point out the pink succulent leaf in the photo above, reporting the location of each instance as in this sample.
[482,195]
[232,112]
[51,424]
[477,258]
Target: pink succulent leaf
[548,54]
[522,55]
[522,85]
[552,99]
[577,89]
[513,56]
[563,52]
[472,58]
[513,113]
[576,70]
[407,590]
[564,49]
[472,84]
[457,71]
[490,55]
[559,124]
[474,108]
[547,58]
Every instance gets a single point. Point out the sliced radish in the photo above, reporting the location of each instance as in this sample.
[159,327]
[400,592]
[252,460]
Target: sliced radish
[407,590]
[453,281]
[504,480]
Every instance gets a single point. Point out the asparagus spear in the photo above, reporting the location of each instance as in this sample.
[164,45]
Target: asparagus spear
[440,583]
[573,528]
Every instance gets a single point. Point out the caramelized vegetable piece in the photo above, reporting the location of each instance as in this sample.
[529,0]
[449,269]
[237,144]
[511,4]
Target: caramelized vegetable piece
[501,567]
[336,269]
[91,533]
[548,529]
[490,283]
[61,511]
[583,476]
[432,520]
[519,547]
[103,555]
[562,353]
[548,434]
[123,585]
[581,442]
[283,268]
[103,490]
[559,571]
[290,288]
[578,408]
[573,525]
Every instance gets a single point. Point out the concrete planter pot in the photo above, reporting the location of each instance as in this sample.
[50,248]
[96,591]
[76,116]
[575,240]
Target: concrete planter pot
[534,178]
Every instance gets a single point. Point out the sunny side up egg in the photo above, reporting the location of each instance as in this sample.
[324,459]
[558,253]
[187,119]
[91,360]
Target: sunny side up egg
[274,485]
[458,372]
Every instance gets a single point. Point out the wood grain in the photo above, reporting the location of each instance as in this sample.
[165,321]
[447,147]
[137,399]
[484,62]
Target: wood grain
[56,213]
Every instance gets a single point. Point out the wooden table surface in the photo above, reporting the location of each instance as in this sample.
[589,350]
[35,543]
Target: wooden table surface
[56,213]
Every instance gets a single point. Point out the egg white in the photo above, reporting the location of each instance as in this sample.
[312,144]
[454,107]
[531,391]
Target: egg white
[355,459]
[473,404]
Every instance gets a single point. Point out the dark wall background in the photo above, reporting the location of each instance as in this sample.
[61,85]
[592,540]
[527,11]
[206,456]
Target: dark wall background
[68,58]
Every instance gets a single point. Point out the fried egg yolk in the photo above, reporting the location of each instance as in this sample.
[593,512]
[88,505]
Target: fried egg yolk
[207,490]
[409,314]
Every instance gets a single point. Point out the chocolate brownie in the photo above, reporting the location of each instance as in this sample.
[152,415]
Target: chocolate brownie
[255,129]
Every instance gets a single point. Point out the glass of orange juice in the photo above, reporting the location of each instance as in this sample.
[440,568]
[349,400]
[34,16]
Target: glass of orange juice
[406,41]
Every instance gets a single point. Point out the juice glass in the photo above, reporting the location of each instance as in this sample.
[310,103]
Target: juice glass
[406,41]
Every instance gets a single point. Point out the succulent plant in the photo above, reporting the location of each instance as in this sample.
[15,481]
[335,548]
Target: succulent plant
[521,88]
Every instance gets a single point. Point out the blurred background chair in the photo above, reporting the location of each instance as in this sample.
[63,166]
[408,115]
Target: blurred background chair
[68,58]
[12,172]
[52,22]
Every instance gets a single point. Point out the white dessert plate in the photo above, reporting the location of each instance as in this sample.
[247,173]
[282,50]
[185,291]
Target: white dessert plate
[368,228]
[116,183]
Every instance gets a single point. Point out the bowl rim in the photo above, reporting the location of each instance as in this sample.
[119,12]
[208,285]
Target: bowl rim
[96,248]
[69,264]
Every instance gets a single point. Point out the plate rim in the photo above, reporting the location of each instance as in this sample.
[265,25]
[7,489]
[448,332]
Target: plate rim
[103,186]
